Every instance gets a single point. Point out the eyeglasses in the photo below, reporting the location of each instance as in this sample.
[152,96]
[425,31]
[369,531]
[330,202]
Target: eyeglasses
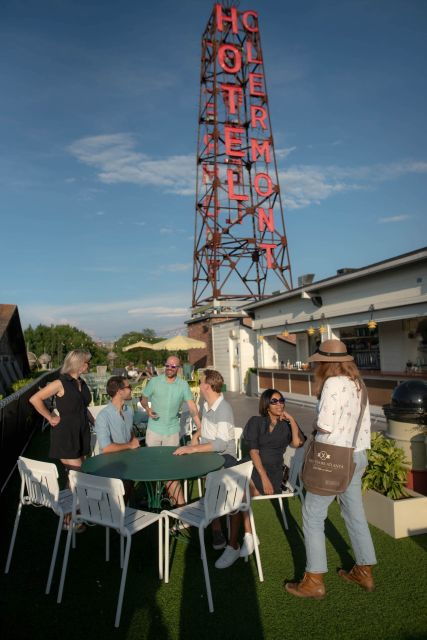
[171,366]
[277,401]
[127,386]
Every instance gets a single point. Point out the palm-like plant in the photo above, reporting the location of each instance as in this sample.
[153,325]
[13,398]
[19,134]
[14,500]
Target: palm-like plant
[386,471]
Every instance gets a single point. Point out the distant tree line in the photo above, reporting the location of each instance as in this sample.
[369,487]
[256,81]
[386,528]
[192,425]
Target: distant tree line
[58,340]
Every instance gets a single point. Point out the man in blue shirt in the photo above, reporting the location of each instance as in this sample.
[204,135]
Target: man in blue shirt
[114,424]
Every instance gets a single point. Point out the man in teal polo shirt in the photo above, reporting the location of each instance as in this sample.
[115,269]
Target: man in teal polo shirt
[167,393]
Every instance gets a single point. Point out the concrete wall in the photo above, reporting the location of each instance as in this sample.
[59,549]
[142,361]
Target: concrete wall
[395,346]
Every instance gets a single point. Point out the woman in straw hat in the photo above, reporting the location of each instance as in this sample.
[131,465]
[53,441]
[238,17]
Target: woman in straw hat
[339,387]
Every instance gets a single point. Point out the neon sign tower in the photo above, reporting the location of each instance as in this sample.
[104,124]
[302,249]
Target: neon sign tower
[240,241]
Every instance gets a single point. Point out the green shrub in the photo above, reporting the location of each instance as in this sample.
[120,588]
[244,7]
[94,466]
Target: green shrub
[386,471]
[18,384]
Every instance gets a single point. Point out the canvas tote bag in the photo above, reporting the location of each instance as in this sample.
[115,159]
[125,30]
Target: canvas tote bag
[327,468]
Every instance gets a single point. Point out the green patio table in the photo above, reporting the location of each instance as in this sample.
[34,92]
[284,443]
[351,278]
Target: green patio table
[153,466]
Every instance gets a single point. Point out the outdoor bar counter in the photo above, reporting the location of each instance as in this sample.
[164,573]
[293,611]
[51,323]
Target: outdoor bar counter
[380,384]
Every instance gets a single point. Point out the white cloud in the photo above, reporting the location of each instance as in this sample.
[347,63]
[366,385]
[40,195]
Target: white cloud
[116,159]
[165,231]
[111,319]
[161,312]
[388,219]
[178,266]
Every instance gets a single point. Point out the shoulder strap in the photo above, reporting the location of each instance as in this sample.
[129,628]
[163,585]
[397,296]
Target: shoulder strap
[363,401]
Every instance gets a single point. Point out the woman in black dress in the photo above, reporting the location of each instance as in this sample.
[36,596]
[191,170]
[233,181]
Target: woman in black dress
[267,436]
[70,428]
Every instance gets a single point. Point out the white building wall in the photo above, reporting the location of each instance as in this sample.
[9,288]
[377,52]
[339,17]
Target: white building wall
[395,346]
[221,350]
[247,353]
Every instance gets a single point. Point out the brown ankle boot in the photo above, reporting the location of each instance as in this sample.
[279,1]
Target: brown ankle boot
[361,575]
[311,586]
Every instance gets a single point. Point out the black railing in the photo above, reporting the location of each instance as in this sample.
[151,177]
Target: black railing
[18,419]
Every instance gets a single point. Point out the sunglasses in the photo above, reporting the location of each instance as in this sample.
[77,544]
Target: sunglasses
[171,366]
[277,401]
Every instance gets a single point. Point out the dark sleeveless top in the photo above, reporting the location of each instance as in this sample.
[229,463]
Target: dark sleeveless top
[271,447]
[71,437]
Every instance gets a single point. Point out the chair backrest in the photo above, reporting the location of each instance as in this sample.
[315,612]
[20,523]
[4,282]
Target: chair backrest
[238,440]
[293,458]
[227,490]
[40,480]
[99,500]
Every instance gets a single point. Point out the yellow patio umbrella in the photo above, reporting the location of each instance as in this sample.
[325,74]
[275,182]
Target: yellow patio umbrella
[179,343]
[139,345]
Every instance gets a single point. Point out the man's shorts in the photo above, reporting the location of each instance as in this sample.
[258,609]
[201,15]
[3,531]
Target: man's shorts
[153,439]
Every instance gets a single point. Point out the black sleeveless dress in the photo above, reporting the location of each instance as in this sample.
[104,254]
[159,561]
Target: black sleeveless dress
[71,437]
[271,447]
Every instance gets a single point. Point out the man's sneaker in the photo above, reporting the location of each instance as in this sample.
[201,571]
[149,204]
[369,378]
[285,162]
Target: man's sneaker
[228,558]
[248,545]
[218,540]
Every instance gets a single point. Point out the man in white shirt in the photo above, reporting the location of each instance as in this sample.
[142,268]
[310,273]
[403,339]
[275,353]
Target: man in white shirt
[215,434]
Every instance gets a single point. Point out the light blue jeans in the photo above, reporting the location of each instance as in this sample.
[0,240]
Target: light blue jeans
[314,514]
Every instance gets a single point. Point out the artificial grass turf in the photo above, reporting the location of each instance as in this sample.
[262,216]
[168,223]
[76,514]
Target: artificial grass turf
[243,606]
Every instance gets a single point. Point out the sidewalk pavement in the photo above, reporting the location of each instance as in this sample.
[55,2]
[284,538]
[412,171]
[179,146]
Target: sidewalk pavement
[245,406]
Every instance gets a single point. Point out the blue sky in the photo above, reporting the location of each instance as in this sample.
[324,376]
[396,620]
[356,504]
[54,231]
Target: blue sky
[98,138]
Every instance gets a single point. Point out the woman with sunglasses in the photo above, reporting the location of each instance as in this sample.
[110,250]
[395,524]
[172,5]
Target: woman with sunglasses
[267,437]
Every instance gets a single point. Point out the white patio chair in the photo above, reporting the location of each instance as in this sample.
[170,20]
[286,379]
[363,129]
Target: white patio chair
[39,487]
[100,501]
[238,442]
[227,492]
[293,458]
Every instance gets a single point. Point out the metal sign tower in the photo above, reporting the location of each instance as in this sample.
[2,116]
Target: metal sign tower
[240,241]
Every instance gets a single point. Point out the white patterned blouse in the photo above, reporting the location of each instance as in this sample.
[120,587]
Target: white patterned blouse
[338,412]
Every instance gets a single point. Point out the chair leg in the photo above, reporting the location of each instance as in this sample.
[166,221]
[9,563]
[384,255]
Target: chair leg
[282,511]
[123,581]
[12,541]
[166,548]
[160,542]
[122,550]
[205,568]
[65,563]
[55,553]
[186,490]
[256,549]
[199,487]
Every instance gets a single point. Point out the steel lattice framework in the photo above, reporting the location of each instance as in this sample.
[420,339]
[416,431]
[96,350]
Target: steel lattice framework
[240,240]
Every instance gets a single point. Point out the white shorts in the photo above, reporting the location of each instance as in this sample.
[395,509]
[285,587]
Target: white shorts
[153,439]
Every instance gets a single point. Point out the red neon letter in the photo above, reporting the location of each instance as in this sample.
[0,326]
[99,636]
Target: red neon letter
[269,187]
[255,84]
[258,118]
[252,28]
[269,248]
[231,141]
[208,140]
[249,54]
[260,149]
[223,17]
[233,96]
[265,219]
[230,183]
[209,173]
[225,54]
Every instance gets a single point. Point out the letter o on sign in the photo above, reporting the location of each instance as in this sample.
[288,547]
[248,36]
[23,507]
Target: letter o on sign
[226,53]
[268,187]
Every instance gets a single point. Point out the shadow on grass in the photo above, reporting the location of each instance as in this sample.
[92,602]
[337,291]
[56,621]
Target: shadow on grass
[237,584]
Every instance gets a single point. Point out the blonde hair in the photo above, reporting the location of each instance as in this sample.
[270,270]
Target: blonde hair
[74,360]
[325,370]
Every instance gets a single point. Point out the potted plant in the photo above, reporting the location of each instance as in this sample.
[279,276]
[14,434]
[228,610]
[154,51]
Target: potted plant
[389,506]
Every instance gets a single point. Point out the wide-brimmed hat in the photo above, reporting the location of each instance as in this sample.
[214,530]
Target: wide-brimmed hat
[331,351]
